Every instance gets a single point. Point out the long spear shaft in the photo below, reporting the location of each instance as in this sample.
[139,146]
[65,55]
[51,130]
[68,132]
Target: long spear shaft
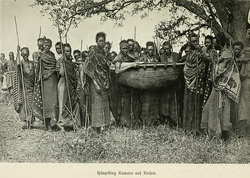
[135,33]
[81,45]
[42,90]
[40,31]
[23,83]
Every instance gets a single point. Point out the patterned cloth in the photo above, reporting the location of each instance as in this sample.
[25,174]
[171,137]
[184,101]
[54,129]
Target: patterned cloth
[195,76]
[194,72]
[226,79]
[45,104]
[96,67]
[23,90]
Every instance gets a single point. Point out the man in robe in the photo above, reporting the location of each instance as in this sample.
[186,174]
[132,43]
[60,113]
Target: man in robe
[45,106]
[168,105]
[125,110]
[150,108]
[195,75]
[10,67]
[67,90]
[24,87]
[226,89]
[2,77]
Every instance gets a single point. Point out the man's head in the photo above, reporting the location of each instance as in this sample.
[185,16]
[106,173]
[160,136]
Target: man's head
[25,53]
[85,54]
[67,50]
[47,45]
[238,47]
[59,47]
[2,56]
[107,47]
[162,51]
[100,39]
[76,54]
[11,55]
[150,48]
[137,46]
[113,55]
[131,44]
[167,47]
[208,40]
[193,40]
[124,47]
[40,43]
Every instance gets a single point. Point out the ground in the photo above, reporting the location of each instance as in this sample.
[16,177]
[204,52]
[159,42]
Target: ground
[116,145]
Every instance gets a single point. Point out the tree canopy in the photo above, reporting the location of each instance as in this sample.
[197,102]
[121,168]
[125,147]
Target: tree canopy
[222,16]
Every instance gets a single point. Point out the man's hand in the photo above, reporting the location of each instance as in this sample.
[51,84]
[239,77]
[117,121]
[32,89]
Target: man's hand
[98,89]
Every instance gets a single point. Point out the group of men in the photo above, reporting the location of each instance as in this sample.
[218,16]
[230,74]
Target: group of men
[51,87]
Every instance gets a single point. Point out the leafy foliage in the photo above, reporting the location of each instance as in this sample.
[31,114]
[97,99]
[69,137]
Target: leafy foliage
[188,15]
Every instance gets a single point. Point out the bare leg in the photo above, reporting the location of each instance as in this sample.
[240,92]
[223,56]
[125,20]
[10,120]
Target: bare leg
[10,96]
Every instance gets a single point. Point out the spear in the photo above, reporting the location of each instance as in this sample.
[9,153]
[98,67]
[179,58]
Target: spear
[23,83]
[81,45]
[135,33]
[40,31]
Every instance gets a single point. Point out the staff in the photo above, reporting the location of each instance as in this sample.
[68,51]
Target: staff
[23,83]
[81,45]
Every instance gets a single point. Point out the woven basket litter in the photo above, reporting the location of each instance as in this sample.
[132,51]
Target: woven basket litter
[151,75]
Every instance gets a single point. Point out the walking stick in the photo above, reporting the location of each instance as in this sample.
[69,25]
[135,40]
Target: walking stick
[23,83]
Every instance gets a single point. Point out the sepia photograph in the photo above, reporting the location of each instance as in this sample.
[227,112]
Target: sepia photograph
[135,82]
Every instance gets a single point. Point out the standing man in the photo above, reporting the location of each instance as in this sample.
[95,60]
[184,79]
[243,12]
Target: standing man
[150,109]
[67,89]
[194,74]
[168,98]
[125,111]
[10,67]
[47,78]
[2,77]
[25,86]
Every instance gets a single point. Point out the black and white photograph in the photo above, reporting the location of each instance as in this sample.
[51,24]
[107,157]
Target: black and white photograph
[125,82]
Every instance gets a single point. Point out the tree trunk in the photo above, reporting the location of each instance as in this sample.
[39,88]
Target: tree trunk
[238,27]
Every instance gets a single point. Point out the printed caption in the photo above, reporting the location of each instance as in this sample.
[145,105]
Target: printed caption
[124,173]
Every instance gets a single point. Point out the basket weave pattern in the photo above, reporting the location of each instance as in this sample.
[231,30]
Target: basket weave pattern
[148,76]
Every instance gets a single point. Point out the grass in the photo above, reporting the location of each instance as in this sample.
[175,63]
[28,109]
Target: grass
[116,145]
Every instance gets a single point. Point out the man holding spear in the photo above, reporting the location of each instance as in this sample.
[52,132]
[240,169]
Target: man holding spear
[25,74]
[45,105]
